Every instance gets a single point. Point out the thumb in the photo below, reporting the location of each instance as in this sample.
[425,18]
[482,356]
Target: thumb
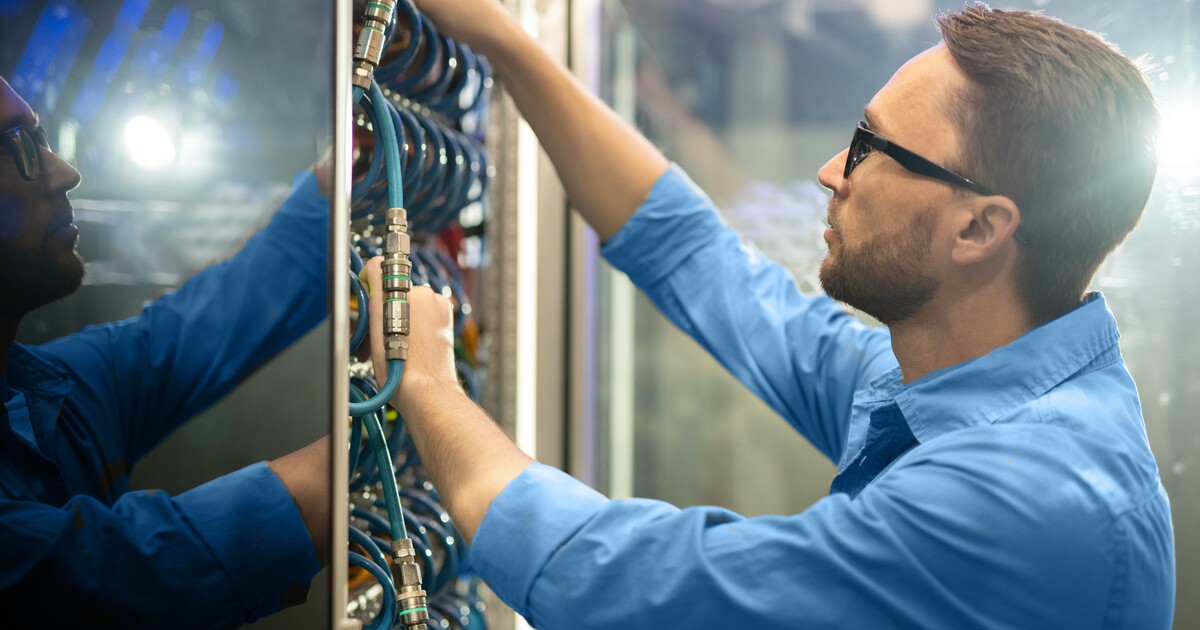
[372,277]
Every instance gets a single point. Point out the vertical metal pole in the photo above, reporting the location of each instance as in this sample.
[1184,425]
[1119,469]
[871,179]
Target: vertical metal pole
[583,251]
[620,306]
[339,269]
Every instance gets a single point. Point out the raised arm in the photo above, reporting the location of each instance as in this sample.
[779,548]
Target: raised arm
[606,166]
[186,350]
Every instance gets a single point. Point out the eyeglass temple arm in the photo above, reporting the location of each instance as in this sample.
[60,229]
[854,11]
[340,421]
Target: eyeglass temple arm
[919,165]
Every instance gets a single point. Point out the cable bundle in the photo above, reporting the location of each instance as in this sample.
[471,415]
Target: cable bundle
[423,98]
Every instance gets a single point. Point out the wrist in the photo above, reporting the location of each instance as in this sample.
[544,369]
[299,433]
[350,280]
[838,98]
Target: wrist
[499,41]
[419,390]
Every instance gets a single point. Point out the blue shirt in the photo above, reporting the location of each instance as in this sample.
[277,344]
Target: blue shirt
[1016,490]
[77,548]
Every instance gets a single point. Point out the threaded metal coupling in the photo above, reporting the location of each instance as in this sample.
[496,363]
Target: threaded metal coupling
[397,243]
[396,218]
[406,574]
[371,39]
[395,348]
[395,314]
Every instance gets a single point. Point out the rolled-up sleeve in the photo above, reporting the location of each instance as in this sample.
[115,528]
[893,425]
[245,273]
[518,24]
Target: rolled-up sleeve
[251,524]
[801,354]
[217,556]
[957,536]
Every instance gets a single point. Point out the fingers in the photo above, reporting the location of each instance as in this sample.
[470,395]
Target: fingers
[431,330]
[372,278]
[431,340]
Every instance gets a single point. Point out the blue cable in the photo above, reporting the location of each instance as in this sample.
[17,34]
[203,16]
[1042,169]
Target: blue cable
[387,615]
[356,262]
[391,146]
[387,475]
[395,368]
[396,198]
[449,555]
[360,389]
[373,549]
[402,62]
[371,249]
[355,445]
[375,522]
[360,294]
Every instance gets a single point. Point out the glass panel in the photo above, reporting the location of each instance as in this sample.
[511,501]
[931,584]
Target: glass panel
[188,122]
[751,98]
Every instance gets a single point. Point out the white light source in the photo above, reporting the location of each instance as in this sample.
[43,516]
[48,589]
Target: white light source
[148,143]
[1179,142]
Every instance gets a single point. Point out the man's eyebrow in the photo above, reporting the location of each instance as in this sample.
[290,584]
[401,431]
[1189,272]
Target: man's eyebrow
[872,120]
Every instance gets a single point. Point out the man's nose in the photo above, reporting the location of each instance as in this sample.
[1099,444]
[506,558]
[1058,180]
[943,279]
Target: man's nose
[60,176]
[830,175]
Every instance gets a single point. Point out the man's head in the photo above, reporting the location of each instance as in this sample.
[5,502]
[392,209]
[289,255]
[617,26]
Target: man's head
[1055,121]
[38,262]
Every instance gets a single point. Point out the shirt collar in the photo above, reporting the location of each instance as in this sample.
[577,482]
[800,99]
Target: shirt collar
[40,387]
[986,388]
[30,372]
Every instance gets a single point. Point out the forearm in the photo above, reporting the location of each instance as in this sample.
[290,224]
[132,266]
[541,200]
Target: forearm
[305,474]
[468,458]
[606,166]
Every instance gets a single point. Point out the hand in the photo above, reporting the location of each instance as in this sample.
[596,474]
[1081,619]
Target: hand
[478,23]
[430,340]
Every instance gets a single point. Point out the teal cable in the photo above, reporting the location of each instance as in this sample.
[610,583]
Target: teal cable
[364,407]
[386,129]
[383,460]
[391,146]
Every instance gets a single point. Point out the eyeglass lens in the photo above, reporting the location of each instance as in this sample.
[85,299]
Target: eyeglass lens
[858,151]
[26,141]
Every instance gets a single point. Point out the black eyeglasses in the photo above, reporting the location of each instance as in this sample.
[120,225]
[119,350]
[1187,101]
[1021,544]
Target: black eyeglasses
[865,141]
[23,143]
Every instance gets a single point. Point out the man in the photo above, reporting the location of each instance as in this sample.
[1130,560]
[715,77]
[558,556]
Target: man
[993,464]
[77,548]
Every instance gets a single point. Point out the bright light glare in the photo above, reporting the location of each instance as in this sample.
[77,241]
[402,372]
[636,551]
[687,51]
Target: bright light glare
[148,143]
[1179,143]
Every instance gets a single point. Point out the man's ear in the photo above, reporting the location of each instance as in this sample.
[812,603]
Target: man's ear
[990,224]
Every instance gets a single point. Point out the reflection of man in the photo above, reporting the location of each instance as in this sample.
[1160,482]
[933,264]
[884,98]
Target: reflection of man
[994,468]
[78,548]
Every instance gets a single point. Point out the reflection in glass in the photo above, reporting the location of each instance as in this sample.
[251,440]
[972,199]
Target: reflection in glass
[188,121]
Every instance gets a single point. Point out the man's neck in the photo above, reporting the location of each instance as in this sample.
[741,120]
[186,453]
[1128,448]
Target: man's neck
[941,337]
[8,336]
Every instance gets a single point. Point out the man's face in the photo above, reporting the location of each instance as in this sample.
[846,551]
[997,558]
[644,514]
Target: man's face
[38,262]
[886,246]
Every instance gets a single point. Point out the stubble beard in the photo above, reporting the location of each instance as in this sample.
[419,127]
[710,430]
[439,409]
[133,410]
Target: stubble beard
[884,277]
[28,282]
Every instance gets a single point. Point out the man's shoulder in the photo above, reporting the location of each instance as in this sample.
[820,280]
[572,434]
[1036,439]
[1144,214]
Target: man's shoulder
[1057,459]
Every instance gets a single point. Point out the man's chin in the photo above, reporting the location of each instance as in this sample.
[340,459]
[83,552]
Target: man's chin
[67,272]
[62,278]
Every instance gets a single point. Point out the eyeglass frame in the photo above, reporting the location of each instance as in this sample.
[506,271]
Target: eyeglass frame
[25,143]
[913,163]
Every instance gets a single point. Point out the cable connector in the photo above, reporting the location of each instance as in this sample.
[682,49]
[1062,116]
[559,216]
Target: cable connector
[406,575]
[397,281]
[369,49]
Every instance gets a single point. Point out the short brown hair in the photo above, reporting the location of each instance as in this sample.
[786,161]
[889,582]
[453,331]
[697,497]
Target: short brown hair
[1062,123]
